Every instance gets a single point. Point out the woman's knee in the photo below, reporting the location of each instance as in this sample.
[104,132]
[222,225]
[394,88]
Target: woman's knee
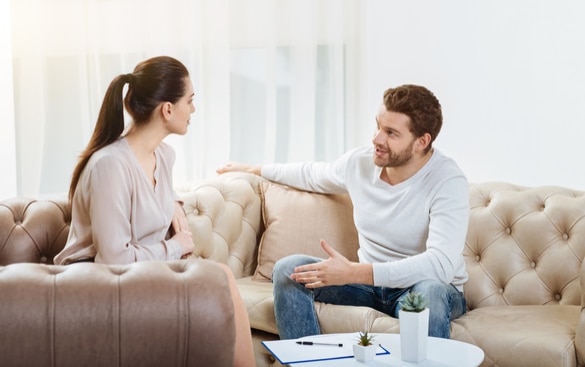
[228,272]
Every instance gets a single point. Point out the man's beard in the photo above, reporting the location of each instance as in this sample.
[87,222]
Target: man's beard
[396,159]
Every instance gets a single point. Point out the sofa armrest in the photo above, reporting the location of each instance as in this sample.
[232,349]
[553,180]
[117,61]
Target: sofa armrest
[224,216]
[580,328]
[176,313]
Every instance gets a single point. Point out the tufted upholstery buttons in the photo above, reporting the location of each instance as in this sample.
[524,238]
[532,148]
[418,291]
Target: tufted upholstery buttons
[523,227]
[33,230]
[226,225]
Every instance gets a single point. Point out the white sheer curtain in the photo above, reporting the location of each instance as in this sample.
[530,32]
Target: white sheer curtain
[7,134]
[272,78]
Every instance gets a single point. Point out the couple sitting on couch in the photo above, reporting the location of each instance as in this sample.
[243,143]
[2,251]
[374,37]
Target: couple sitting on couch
[410,205]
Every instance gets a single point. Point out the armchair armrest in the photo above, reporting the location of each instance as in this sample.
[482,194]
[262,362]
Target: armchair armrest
[176,313]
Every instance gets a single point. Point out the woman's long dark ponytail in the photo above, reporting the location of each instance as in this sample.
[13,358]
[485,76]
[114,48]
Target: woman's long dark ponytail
[108,128]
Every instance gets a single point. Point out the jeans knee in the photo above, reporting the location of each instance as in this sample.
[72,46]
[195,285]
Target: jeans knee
[432,289]
[284,267]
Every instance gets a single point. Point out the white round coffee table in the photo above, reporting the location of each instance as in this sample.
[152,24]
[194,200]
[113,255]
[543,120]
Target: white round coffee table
[440,353]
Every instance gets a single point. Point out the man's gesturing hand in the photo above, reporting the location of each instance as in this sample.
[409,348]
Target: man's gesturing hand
[336,270]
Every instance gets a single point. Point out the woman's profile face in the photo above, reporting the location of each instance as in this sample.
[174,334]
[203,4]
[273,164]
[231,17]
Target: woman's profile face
[182,110]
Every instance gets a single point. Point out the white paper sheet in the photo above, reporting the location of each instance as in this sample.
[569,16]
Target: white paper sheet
[289,352]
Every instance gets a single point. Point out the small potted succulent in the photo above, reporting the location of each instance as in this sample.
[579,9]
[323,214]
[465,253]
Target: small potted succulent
[414,302]
[365,349]
[414,327]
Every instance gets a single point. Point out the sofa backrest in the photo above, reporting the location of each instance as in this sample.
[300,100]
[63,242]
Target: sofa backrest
[524,245]
[33,230]
[223,213]
[226,217]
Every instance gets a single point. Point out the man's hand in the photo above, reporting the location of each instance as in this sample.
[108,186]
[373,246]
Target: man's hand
[239,167]
[336,270]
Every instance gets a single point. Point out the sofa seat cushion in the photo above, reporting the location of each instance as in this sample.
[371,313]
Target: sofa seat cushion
[345,319]
[517,336]
[259,301]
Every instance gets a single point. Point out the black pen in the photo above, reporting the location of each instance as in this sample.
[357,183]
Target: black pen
[316,343]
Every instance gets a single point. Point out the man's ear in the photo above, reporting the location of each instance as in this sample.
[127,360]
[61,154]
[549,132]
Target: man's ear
[166,109]
[423,142]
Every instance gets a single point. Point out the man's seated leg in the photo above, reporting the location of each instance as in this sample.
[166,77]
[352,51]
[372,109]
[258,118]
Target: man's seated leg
[293,303]
[446,303]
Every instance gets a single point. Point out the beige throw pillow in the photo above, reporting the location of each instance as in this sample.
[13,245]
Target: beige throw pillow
[296,221]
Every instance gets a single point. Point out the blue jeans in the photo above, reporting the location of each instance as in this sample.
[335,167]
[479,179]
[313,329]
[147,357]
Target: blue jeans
[294,303]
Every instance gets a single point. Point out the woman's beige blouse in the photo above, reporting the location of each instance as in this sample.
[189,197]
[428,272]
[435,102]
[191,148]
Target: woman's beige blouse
[118,217]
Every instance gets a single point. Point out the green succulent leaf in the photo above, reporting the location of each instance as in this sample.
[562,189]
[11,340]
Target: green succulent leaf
[413,302]
[365,339]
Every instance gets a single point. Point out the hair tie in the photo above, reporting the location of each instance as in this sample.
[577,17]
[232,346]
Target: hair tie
[130,78]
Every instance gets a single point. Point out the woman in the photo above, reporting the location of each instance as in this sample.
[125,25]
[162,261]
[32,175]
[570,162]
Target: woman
[122,198]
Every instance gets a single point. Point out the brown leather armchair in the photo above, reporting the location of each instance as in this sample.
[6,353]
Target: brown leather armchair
[175,313]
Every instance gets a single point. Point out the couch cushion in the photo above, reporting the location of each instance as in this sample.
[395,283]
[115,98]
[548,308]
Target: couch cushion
[259,302]
[296,221]
[516,336]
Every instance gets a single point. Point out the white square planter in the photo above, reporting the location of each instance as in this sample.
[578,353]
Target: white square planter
[414,331]
[364,353]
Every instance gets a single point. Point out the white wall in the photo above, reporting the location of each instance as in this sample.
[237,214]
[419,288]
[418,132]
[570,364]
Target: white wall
[509,74]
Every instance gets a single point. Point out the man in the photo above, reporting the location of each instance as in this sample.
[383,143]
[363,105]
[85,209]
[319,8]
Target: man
[411,210]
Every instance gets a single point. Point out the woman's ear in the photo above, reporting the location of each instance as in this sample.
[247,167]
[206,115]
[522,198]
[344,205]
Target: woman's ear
[166,109]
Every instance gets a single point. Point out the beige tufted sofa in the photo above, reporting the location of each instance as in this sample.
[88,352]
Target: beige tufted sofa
[155,314]
[524,252]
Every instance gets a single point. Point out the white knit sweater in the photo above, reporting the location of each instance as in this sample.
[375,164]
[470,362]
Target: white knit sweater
[411,231]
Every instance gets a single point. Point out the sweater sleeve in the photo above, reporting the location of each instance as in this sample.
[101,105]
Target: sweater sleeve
[321,177]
